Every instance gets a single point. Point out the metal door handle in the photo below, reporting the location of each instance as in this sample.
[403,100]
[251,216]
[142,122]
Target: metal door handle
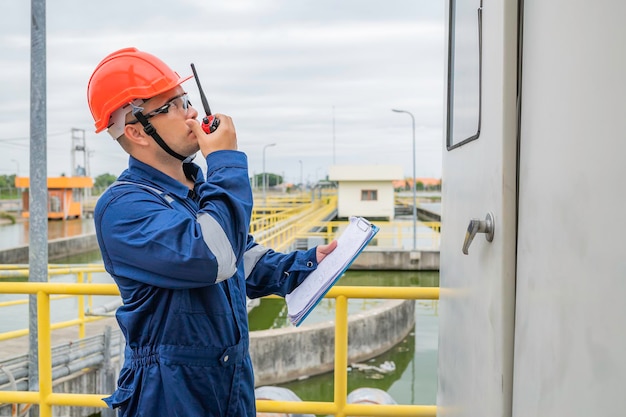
[486,226]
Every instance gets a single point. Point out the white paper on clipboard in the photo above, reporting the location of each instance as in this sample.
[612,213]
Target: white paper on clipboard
[308,294]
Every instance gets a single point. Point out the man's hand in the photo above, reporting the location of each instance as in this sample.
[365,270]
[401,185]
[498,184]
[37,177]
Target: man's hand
[223,138]
[323,250]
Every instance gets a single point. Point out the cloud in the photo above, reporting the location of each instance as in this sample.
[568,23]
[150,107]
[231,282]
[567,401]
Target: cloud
[318,78]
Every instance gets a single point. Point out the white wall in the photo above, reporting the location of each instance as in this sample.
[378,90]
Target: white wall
[352,179]
[350,204]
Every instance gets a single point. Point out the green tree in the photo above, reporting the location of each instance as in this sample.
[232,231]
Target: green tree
[7,181]
[7,186]
[101,182]
[271,180]
[274,179]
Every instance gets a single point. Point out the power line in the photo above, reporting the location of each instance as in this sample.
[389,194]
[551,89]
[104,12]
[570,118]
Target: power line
[28,137]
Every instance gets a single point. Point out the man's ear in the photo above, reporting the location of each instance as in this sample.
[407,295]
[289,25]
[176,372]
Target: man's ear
[136,134]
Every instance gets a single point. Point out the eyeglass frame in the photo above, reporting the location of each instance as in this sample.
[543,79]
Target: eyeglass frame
[164,109]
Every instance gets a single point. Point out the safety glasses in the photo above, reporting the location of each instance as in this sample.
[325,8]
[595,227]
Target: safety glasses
[180,102]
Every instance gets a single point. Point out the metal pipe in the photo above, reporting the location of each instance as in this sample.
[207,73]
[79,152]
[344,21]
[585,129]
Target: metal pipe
[64,357]
[71,367]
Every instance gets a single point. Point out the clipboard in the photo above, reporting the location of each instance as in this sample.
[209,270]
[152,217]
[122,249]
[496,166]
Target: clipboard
[302,300]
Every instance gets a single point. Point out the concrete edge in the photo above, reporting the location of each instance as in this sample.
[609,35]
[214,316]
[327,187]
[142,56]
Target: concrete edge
[287,354]
[57,248]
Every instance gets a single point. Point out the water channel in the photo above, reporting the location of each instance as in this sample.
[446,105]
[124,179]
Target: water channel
[414,380]
[13,235]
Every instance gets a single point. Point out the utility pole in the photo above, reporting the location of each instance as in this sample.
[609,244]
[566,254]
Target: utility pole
[38,193]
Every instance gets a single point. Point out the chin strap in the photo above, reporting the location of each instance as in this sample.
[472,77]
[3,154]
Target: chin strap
[150,130]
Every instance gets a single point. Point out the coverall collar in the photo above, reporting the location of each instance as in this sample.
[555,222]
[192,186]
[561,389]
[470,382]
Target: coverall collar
[150,175]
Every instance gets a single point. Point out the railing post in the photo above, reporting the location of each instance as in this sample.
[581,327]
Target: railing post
[45,353]
[341,354]
[80,278]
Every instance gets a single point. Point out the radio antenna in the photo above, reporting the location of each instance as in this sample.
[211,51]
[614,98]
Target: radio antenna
[205,102]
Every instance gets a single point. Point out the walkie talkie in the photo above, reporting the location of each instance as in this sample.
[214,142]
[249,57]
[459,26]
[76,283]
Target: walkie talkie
[209,122]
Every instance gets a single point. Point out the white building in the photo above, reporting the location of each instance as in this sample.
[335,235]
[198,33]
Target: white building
[365,190]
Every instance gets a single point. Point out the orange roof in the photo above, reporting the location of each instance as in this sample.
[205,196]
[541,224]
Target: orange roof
[429,181]
[424,180]
[58,182]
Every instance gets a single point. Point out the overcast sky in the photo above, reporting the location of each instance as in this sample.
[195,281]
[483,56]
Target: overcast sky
[317,78]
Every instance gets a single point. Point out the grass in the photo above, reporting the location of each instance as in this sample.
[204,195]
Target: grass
[5,215]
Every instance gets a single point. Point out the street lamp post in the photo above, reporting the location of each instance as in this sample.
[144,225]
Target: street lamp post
[301,183]
[264,173]
[414,187]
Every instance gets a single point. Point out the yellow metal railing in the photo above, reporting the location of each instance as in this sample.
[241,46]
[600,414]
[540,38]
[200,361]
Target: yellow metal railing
[280,220]
[21,271]
[392,234]
[281,200]
[283,233]
[46,399]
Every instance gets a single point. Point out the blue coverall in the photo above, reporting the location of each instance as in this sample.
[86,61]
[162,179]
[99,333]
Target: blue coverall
[184,262]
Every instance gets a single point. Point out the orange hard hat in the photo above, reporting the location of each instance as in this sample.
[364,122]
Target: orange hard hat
[124,76]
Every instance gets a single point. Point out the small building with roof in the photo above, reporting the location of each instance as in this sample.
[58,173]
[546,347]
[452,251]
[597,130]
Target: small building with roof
[65,195]
[365,190]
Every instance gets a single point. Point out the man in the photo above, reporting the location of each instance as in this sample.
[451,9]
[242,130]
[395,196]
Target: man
[178,246]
